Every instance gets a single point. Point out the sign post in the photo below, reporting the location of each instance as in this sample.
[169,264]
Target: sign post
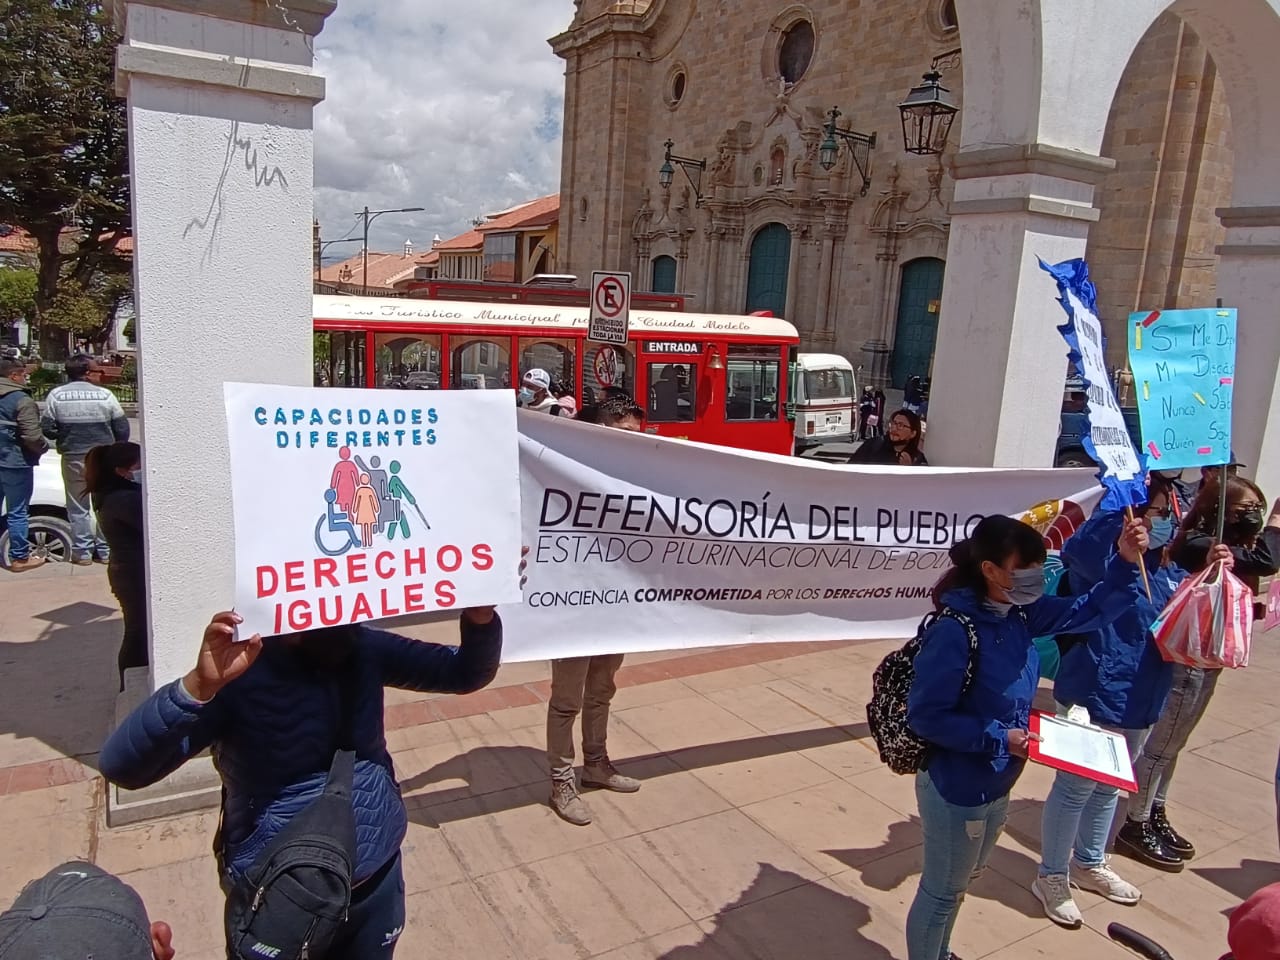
[610,307]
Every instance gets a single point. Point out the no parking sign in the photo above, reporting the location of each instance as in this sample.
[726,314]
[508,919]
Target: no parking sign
[610,307]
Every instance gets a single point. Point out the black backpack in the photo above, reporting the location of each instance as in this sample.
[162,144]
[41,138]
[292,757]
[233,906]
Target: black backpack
[294,900]
[901,748]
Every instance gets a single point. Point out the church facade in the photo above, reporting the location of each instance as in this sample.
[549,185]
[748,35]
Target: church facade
[747,217]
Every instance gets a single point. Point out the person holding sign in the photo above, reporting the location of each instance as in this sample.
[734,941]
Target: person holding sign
[272,710]
[900,446]
[1254,545]
[1118,674]
[586,685]
[978,728]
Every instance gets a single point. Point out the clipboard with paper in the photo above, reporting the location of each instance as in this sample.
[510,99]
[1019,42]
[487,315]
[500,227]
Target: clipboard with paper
[1084,750]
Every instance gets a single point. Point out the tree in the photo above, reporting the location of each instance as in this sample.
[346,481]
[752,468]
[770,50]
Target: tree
[17,295]
[64,161]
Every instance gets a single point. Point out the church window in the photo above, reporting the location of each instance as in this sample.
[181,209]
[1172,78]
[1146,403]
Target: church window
[795,52]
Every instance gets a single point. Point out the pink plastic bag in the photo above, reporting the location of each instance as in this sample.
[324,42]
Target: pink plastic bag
[1208,621]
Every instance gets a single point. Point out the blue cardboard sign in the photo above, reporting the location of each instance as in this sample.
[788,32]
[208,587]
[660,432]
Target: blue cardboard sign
[1107,440]
[1184,368]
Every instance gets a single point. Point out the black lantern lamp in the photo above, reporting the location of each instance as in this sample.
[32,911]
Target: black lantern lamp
[928,112]
[667,172]
[860,145]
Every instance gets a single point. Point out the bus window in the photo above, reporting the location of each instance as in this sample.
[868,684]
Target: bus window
[339,359]
[829,384]
[672,392]
[479,364]
[554,355]
[751,388]
[605,368]
[407,362]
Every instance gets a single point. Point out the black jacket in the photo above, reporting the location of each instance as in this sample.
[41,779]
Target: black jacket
[879,450]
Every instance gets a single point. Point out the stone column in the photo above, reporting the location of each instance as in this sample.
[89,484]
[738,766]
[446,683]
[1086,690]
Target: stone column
[996,394]
[793,262]
[1248,278]
[220,97]
[711,291]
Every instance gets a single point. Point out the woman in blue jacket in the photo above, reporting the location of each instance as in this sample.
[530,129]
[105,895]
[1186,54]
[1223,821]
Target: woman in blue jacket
[1119,676]
[980,733]
[270,709]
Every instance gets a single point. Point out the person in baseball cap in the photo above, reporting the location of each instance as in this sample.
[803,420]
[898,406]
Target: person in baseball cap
[1254,930]
[76,911]
[535,392]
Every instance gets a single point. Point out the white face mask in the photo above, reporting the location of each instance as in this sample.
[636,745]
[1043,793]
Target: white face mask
[136,476]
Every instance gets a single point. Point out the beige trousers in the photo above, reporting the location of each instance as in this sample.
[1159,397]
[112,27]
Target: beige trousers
[579,685]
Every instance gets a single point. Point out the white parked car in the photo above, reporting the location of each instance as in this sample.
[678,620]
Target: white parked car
[50,533]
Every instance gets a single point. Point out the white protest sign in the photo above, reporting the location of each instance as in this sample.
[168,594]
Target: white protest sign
[354,505]
[644,543]
[1113,447]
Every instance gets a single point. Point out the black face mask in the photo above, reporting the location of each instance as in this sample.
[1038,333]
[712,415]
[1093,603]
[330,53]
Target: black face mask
[1244,525]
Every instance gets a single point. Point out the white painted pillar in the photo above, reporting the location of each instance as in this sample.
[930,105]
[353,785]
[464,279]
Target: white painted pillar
[220,97]
[1248,278]
[1000,363]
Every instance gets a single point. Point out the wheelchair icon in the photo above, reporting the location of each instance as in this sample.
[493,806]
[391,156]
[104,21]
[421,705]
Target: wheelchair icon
[335,533]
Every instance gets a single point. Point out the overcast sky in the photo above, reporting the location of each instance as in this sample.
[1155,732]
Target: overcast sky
[455,107]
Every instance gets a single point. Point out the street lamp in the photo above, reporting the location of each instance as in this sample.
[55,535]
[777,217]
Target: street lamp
[860,145]
[929,111]
[369,216]
[667,172]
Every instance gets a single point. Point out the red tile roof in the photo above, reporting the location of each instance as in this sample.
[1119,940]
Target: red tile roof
[536,213]
[385,270]
[471,240]
[18,240]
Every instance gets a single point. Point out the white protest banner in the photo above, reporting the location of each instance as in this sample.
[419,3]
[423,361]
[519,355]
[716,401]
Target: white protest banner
[644,543]
[1108,441]
[355,505]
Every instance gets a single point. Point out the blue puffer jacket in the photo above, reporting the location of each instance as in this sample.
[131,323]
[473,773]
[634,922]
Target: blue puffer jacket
[971,764]
[1117,673]
[273,732]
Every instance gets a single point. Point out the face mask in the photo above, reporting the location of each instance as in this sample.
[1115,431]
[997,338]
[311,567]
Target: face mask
[526,395]
[1161,532]
[1027,586]
[136,476]
[1245,525]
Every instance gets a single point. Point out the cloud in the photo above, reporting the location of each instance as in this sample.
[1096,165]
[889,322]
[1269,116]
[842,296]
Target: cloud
[455,107]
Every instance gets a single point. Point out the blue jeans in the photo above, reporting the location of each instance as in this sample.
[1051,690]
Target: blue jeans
[85,539]
[1078,814]
[957,844]
[16,484]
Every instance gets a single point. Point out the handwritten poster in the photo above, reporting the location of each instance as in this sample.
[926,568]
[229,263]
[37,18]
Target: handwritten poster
[1108,441]
[1184,367]
[355,505]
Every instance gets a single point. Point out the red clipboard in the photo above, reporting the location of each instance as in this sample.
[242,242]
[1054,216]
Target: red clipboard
[1034,754]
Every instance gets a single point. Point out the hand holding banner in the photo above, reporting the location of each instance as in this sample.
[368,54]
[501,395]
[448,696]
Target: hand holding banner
[356,505]
[1108,441]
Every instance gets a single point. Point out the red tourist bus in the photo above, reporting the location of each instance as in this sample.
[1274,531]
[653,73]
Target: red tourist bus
[708,377]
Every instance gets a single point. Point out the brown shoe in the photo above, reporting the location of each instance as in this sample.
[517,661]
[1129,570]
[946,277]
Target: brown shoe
[566,802]
[82,561]
[26,564]
[605,776]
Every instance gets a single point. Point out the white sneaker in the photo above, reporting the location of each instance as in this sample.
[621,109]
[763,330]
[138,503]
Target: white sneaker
[1106,883]
[1055,893]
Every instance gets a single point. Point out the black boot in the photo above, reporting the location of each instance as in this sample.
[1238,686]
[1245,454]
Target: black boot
[1173,841]
[1139,841]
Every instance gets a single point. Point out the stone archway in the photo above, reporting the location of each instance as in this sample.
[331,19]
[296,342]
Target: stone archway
[1039,81]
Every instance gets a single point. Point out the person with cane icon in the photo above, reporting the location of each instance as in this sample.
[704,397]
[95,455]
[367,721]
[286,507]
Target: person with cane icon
[398,491]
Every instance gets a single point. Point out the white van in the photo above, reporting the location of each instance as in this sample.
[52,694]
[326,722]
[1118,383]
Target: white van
[823,392]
